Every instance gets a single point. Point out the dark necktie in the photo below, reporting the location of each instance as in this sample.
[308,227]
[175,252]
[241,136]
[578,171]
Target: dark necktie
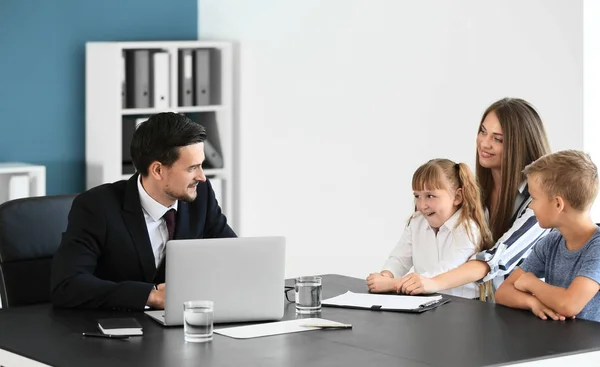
[170,220]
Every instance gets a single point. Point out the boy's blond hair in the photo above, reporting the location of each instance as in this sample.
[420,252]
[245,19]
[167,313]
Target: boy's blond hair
[570,174]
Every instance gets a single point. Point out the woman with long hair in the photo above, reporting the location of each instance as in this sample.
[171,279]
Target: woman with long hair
[511,135]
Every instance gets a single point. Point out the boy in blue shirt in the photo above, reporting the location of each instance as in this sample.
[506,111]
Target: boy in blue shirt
[563,187]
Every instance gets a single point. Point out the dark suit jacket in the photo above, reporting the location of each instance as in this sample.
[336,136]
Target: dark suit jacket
[105,259]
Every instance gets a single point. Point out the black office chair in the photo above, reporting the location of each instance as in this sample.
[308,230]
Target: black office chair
[30,232]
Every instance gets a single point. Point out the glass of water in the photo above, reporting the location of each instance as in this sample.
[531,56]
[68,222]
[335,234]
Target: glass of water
[308,295]
[198,321]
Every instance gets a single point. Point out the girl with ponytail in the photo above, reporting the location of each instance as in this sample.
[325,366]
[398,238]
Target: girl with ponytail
[447,228]
[511,135]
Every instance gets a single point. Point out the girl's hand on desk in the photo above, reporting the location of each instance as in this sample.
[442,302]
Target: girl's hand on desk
[413,284]
[379,283]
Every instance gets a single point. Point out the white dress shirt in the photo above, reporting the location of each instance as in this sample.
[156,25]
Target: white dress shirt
[155,223]
[430,254]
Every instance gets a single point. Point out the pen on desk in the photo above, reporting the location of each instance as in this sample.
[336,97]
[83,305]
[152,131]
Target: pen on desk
[430,303]
[110,336]
[331,326]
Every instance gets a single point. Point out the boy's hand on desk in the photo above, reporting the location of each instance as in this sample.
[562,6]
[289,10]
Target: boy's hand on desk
[379,283]
[414,283]
[542,311]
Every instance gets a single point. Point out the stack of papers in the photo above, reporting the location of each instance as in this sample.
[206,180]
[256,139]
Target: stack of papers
[275,328]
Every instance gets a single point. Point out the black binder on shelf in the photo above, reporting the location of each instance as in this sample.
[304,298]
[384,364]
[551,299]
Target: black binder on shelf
[386,302]
[137,78]
[123,83]
[212,156]
[130,124]
[202,87]
[186,75]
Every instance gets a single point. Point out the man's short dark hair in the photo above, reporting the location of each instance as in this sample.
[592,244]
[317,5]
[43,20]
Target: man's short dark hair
[160,138]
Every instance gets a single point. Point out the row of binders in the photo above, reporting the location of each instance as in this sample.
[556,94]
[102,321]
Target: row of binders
[213,158]
[147,75]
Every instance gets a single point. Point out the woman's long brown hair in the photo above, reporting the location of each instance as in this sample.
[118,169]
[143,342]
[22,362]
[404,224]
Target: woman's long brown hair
[524,141]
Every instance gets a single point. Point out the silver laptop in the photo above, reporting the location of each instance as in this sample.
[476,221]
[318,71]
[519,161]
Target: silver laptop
[244,277]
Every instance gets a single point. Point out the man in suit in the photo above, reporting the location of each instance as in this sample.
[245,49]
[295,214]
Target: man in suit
[112,253]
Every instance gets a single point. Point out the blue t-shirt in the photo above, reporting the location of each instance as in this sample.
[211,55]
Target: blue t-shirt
[550,259]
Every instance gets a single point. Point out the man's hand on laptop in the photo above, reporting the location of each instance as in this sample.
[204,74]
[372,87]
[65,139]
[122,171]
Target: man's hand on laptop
[156,299]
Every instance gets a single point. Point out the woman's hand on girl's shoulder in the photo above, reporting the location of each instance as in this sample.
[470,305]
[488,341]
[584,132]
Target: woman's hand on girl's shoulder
[379,283]
[414,283]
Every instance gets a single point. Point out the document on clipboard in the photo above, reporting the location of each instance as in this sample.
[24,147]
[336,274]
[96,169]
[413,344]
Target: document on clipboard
[386,302]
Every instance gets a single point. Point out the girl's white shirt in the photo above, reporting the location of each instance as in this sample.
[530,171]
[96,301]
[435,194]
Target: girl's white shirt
[428,254]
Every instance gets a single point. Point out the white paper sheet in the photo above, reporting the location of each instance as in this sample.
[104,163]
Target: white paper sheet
[390,302]
[273,328]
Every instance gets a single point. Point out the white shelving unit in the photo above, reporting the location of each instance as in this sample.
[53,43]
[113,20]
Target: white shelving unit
[105,113]
[21,180]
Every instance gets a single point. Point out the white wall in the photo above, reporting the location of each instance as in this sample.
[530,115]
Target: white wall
[591,86]
[341,100]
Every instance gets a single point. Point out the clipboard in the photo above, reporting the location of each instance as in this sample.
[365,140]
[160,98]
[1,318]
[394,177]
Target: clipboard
[386,302]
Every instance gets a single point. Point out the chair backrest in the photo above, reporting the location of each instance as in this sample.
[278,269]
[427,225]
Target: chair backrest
[30,232]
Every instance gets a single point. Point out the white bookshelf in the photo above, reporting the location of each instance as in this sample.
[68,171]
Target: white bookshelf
[21,180]
[105,112]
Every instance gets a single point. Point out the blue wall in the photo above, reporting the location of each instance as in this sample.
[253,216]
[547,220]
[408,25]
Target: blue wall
[42,72]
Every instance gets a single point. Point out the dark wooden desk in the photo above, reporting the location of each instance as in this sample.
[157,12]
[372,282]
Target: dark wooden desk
[460,333]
